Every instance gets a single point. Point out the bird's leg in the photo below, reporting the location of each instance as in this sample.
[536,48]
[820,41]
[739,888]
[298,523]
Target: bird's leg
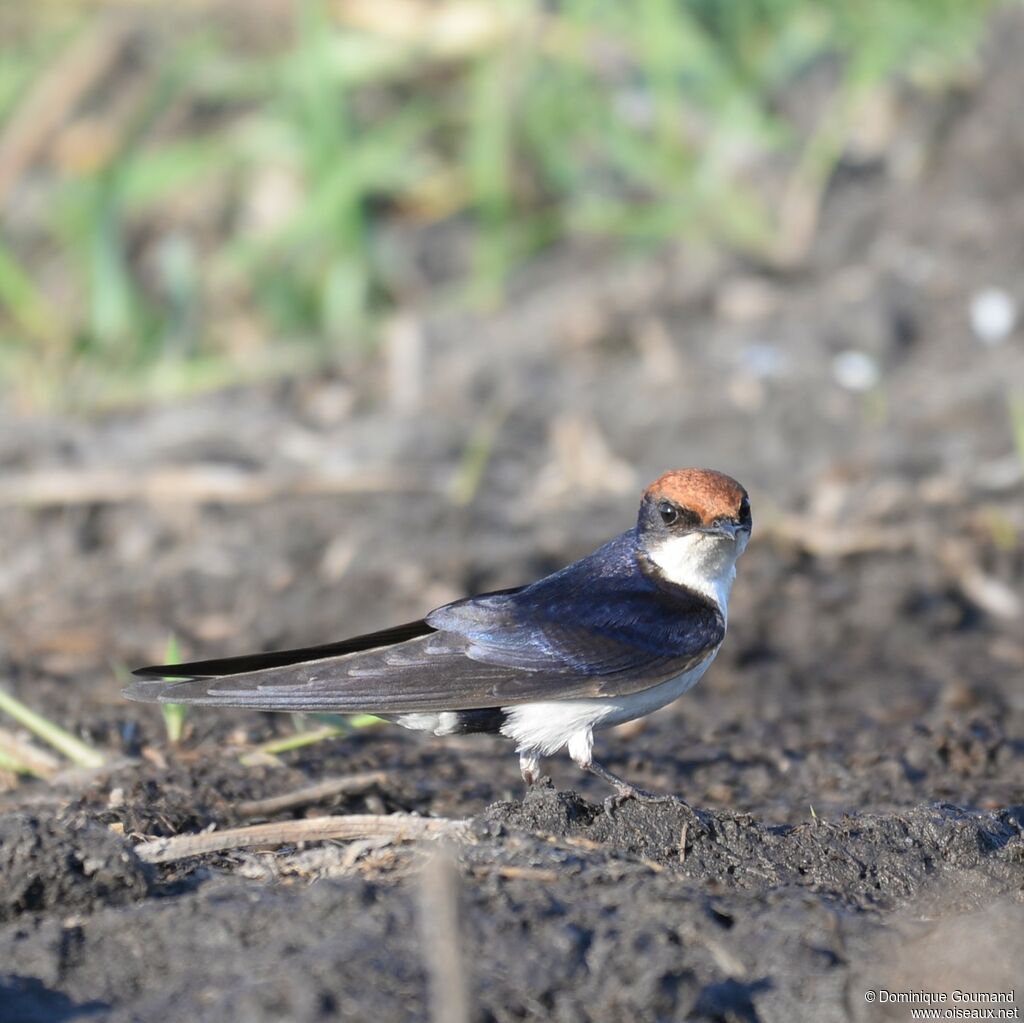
[581,748]
[529,768]
[625,790]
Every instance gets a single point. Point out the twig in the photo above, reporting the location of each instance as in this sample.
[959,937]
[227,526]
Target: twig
[30,759]
[441,939]
[994,596]
[394,827]
[193,484]
[53,97]
[350,785]
[801,203]
[823,540]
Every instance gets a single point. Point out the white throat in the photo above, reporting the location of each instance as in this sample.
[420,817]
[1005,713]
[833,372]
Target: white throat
[702,563]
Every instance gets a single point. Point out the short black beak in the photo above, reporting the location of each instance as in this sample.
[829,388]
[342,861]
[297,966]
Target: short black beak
[723,527]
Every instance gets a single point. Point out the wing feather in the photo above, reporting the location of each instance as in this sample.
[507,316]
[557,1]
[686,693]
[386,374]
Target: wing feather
[598,628]
[428,677]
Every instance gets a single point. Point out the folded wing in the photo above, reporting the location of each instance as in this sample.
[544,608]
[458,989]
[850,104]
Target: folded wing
[597,628]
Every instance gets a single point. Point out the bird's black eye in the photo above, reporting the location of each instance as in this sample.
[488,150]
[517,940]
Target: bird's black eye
[745,510]
[669,512]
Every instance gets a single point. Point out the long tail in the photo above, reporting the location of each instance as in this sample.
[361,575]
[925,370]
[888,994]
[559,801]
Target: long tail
[275,659]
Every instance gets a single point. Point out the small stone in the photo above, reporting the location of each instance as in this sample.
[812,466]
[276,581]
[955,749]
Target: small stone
[855,370]
[993,315]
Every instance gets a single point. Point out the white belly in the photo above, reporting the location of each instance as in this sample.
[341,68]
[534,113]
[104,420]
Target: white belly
[544,728]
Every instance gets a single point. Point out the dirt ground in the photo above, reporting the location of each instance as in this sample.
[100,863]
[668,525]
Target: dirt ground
[854,760]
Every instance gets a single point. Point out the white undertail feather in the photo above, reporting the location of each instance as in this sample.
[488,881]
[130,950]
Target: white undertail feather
[443,722]
[541,729]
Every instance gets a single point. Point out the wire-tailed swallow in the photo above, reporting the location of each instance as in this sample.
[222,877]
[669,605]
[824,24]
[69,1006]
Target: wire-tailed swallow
[610,638]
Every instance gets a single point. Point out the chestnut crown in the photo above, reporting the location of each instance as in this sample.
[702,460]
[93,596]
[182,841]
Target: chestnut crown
[695,500]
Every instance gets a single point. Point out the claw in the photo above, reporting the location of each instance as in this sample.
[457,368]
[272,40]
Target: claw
[626,792]
[620,796]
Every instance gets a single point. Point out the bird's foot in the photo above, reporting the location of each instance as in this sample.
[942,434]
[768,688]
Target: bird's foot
[625,791]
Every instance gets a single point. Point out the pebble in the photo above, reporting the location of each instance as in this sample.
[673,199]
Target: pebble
[993,315]
[855,370]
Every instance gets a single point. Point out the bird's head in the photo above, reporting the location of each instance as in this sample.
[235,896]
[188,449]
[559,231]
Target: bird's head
[693,525]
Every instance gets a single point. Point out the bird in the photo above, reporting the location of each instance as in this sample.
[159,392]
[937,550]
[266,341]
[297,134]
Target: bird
[610,638]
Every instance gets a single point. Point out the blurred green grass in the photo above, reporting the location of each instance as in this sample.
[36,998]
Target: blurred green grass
[193,197]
